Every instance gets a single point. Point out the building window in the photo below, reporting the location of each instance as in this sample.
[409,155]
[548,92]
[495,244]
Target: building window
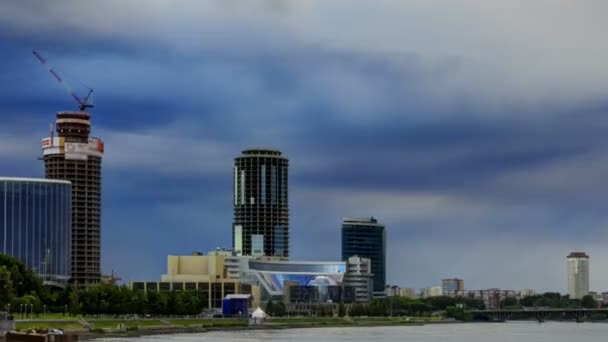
[279,240]
[273,184]
[242,187]
[257,244]
[151,286]
[262,184]
[216,295]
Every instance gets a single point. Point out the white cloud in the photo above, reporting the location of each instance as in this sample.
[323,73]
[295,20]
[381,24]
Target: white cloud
[166,151]
[523,55]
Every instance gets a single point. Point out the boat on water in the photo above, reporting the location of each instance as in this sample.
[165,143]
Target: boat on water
[51,335]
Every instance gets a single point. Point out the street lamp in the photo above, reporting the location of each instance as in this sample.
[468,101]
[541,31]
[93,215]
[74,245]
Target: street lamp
[44,311]
[21,311]
[65,312]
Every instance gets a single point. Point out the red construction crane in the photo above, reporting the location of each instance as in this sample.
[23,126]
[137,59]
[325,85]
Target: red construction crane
[83,103]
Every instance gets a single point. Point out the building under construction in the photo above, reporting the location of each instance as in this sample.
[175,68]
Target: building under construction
[72,155]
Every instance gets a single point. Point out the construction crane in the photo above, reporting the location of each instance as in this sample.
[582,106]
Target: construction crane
[83,104]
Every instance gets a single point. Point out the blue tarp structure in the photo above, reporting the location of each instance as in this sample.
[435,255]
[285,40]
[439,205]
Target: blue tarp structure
[236,305]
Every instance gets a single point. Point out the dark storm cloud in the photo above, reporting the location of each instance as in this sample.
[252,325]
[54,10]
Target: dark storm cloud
[444,131]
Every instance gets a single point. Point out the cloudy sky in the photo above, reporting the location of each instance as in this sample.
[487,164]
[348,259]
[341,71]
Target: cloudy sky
[475,130]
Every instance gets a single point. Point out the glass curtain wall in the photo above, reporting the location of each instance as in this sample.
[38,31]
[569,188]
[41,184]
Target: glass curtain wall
[35,225]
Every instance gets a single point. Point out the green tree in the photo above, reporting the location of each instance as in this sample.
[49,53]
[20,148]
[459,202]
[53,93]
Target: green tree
[6,286]
[458,313]
[441,302]
[588,302]
[279,309]
[24,281]
[73,303]
[270,307]
[508,302]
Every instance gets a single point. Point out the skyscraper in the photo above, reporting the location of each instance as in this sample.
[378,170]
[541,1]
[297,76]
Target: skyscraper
[366,238]
[72,155]
[261,210]
[578,275]
[35,225]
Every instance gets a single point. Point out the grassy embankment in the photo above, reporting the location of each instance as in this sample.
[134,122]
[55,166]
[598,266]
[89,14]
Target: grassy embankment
[66,325]
[100,325]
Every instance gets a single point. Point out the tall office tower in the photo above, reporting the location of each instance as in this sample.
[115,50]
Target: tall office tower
[35,225]
[366,238]
[72,155]
[261,210]
[578,275]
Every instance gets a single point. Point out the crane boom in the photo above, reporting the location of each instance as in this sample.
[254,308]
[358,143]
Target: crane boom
[83,104]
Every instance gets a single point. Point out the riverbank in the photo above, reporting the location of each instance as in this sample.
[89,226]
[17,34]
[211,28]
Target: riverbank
[294,324]
[94,329]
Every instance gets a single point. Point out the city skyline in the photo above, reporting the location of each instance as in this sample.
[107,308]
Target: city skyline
[471,145]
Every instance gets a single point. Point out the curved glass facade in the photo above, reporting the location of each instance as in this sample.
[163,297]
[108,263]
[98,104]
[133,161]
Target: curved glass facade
[35,225]
[261,208]
[273,275]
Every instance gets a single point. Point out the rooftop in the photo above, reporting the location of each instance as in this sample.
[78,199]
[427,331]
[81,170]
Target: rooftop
[578,255]
[261,151]
[34,180]
[360,220]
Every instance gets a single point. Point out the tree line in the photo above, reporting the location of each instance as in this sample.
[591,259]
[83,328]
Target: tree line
[21,290]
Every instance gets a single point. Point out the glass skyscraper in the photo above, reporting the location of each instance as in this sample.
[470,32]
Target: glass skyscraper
[366,238]
[35,225]
[261,210]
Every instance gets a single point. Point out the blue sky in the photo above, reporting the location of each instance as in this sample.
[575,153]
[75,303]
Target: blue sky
[474,130]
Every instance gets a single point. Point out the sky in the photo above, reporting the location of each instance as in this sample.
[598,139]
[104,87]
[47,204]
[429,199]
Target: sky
[475,130]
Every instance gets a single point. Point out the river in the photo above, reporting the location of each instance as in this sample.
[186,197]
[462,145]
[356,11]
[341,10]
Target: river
[482,332]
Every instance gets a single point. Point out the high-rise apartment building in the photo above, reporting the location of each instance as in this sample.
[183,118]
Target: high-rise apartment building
[72,155]
[261,210]
[366,238]
[452,286]
[578,275]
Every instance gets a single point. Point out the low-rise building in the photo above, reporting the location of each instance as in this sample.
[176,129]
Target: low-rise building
[408,292]
[392,291]
[492,297]
[358,275]
[204,273]
[435,291]
[526,293]
[215,291]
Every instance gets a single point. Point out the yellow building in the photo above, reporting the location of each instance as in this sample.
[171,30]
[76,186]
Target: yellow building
[196,268]
[204,273]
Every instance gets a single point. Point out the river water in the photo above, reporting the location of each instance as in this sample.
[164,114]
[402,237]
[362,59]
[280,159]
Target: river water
[482,332]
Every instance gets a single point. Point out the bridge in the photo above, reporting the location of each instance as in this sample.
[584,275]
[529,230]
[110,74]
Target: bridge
[540,314]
